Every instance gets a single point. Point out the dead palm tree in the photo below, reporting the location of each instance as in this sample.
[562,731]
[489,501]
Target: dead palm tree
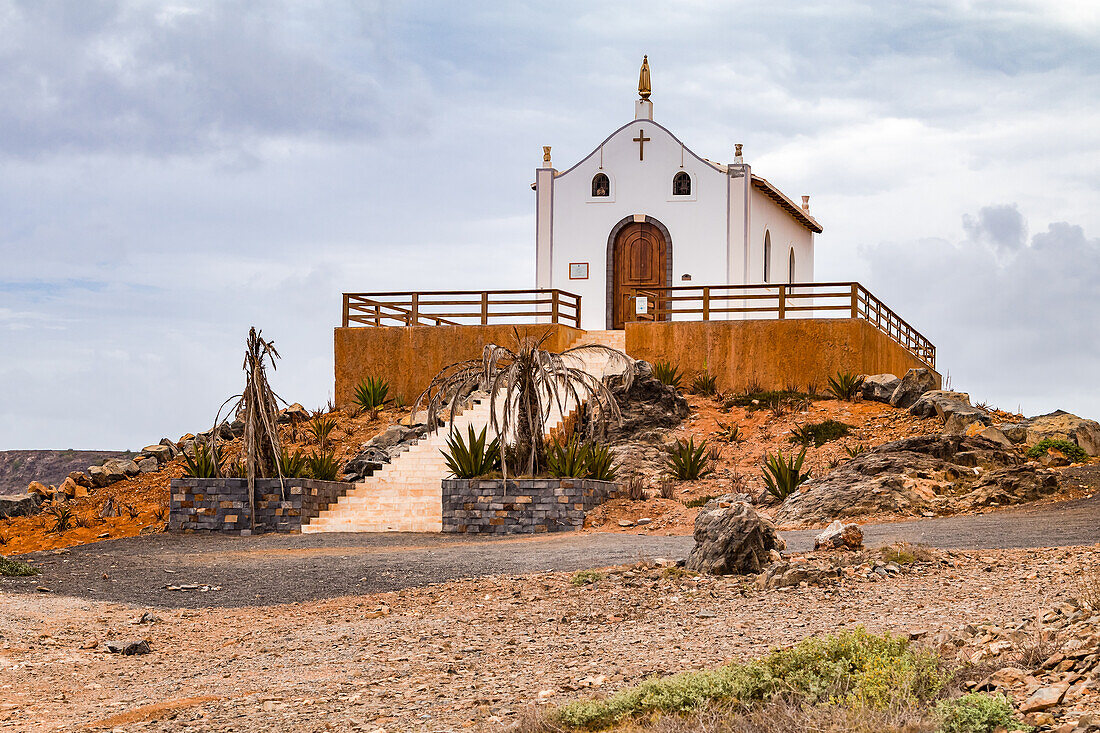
[258,408]
[524,384]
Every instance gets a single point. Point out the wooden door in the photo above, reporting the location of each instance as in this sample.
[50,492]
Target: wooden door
[639,260]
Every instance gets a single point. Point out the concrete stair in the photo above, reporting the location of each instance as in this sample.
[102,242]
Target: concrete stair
[406,495]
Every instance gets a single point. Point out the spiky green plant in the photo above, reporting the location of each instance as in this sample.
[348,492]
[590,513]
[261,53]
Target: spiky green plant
[324,465]
[729,433]
[204,462]
[568,459]
[601,463]
[783,476]
[321,428]
[855,450]
[525,386]
[473,455]
[62,519]
[372,393]
[293,465]
[844,385]
[687,461]
[705,385]
[668,373]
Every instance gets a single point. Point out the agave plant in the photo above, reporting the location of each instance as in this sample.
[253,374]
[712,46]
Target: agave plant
[783,476]
[844,385]
[205,463]
[324,465]
[668,373]
[292,465]
[526,385]
[62,518]
[321,428]
[473,456]
[601,463]
[687,461]
[569,459]
[372,393]
[705,385]
[855,450]
[729,433]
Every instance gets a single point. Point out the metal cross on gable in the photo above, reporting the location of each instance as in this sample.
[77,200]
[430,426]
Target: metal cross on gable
[641,140]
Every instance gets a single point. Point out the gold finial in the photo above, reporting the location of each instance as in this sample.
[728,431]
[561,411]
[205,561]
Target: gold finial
[545,153]
[644,89]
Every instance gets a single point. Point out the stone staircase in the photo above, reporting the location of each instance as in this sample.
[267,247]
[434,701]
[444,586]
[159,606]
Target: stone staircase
[406,495]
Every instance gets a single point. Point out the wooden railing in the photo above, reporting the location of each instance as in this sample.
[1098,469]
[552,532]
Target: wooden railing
[787,300]
[461,308]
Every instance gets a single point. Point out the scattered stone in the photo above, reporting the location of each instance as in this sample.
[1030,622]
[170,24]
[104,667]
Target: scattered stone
[625,523]
[879,387]
[39,488]
[914,384]
[108,474]
[642,521]
[1044,697]
[160,452]
[148,464]
[173,449]
[129,648]
[939,403]
[840,536]
[294,412]
[81,479]
[733,540]
[124,465]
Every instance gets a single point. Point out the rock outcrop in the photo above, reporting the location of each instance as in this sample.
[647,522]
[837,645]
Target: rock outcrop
[1058,425]
[734,540]
[381,449]
[19,505]
[879,387]
[914,384]
[648,408]
[917,476]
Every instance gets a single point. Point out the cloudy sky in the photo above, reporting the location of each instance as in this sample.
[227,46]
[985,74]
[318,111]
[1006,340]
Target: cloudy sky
[174,172]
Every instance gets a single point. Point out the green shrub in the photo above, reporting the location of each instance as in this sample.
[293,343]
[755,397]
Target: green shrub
[567,460]
[698,501]
[586,577]
[977,713]
[291,465]
[668,373]
[1072,451]
[818,434]
[204,463]
[783,476]
[765,399]
[853,668]
[15,568]
[705,384]
[372,393]
[687,461]
[324,466]
[472,457]
[844,385]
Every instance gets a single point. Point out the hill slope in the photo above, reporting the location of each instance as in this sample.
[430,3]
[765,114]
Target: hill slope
[19,467]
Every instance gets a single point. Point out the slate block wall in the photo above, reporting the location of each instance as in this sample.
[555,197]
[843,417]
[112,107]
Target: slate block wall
[221,504]
[528,505]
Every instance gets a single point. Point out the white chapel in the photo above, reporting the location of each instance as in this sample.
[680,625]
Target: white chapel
[642,209]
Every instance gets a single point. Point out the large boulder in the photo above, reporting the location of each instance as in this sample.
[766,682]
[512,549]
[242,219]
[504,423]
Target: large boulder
[732,540]
[173,449]
[840,536]
[939,403]
[1061,425]
[649,408]
[106,474]
[126,466]
[910,477]
[879,387]
[914,384]
[161,453]
[19,505]
[39,489]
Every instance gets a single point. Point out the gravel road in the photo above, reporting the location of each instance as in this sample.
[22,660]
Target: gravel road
[272,569]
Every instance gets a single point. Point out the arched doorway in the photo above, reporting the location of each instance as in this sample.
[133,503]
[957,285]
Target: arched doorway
[639,255]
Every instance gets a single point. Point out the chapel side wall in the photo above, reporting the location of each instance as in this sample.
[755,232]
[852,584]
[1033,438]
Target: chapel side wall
[772,353]
[767,216]
[409,356]
[581,224]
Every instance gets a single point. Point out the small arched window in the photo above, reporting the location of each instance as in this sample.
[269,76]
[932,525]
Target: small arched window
[681,184]
[790,267]
[601,185]
[767,256]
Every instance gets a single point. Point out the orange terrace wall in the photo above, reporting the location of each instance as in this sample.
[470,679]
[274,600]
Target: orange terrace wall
[771,353]
[409,356]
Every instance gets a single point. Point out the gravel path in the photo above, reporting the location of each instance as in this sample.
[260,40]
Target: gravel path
[273,569]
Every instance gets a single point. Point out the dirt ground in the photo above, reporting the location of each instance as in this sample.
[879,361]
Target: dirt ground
[461,655]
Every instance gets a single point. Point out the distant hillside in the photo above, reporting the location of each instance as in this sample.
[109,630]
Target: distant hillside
[19,467]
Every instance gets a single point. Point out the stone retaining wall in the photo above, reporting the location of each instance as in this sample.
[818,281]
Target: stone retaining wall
[221,504]
[528,505]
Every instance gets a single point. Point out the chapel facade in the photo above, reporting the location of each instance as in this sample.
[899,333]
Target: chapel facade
[644,210]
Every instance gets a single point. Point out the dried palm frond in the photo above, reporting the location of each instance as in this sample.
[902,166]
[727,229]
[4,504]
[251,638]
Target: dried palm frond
[525,385]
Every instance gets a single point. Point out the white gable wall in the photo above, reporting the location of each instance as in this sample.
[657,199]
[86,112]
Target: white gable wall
[582,224]
[786,233]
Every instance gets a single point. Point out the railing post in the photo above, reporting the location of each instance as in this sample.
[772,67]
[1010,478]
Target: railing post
[577,313]
[553,305]
[346,311]
[377,315]
[855,300]
[706,304]
[782,302]
[484,307]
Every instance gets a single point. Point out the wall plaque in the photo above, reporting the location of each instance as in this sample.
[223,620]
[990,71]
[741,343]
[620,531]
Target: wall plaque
[578,270]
